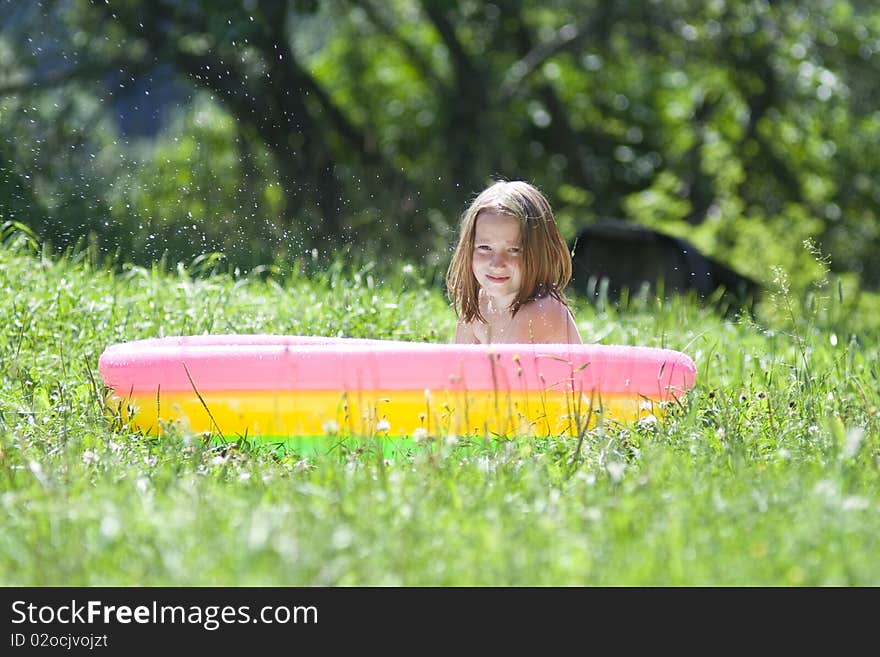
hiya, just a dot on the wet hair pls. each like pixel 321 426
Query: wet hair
pixel 546 260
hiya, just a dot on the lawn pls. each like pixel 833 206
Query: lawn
pixel 769 473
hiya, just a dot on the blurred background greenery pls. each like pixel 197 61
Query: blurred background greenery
pixel 282 131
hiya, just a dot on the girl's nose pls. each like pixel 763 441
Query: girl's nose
pixel 498 259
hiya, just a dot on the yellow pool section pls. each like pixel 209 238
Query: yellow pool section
pixel 368 413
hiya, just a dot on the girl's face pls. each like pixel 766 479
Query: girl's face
pixel 497 259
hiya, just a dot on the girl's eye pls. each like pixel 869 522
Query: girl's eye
pixel 482 247
pixel 515 250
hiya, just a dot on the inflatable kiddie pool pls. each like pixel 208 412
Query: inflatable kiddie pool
pixel 271 387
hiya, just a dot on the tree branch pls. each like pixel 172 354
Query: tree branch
pixel 60 77
pixel 414 56
pixel 570 36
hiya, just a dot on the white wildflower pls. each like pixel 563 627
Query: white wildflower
pixel 855 503
pixel 648 421
pixel 853 441
pixel 109 527
pixel 615 470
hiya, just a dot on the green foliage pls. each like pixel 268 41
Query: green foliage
pixel 187 195
pixel 767 474
pixel 744 126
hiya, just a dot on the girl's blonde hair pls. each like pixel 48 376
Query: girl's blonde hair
pixel 546 260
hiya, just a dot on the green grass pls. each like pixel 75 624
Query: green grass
pixel 768 475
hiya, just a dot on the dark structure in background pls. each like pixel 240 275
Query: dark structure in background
pixel 612 255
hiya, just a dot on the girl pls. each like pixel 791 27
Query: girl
pixel 509 269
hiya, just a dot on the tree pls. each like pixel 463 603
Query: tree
pixel 372 123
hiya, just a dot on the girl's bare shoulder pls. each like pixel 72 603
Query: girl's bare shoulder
pixel 546 320
pixel 544 306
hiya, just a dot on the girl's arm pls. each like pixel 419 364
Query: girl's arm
pixel 464 333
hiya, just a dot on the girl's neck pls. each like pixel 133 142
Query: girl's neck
pixel 499 306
